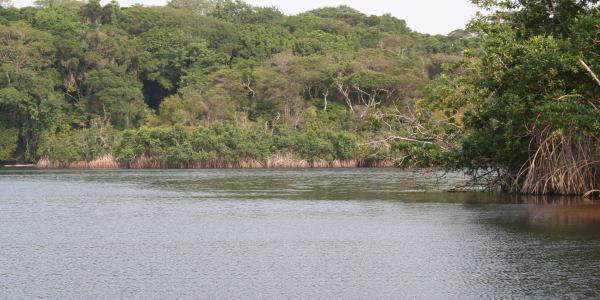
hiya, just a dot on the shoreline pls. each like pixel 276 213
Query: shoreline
pixel 20 166
pixel 108 162
pixel 186 168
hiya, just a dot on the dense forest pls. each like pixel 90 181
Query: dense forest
pixel 514 98
pixel 204 80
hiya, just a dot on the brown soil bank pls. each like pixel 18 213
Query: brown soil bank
pixel 275 162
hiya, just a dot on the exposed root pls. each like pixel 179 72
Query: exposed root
pixel 591 194
pixel 560 166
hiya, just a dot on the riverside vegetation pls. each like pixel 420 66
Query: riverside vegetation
pixel 514 99
pixel 213 84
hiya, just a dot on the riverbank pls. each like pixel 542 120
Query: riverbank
pixel 273 162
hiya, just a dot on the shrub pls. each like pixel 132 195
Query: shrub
pixel 8 143
pixel 79 145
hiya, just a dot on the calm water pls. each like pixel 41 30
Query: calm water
pixel 263 234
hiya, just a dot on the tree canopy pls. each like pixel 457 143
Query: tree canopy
pixel 69 65
pixel 528 102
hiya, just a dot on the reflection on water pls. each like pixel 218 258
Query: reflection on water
pixel 287 234
pixel 566 213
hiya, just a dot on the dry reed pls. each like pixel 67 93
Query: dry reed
pixel 45 163
pixel 104 162
pixel 285 161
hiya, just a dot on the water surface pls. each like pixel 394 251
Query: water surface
pixel 265 234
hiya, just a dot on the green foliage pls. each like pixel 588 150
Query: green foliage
pixel 414 154
pixel 80 145
pixel 167 54
pixel 261 41
pixel 326 144
pixel 237 11
pixel 115 98
pixel 177 145
pixel 8 142
pixel 230 142
pixel 28 96
pixel 199 79
pixel 528 78
pixel 171 145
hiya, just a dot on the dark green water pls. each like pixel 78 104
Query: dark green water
pixel 301 234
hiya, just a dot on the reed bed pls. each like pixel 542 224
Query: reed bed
pixel 145 162
pixel 273 162
pixel 104 162
pixel 45 163
pixel 286 161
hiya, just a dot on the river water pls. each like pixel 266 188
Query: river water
pixel 281 234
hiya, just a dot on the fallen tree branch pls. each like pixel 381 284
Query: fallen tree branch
pixel 401 138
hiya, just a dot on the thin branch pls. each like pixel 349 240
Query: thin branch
pixel 583 64
pixel 401 138
pixel 247 85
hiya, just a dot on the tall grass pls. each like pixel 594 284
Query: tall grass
pixel 104 162
pixel 273 162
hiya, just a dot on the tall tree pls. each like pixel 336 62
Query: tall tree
pixel 28 96
pixel 530 98
pixel 115 98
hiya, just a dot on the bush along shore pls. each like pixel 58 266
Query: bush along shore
pixel 220 145
pixel 217 83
